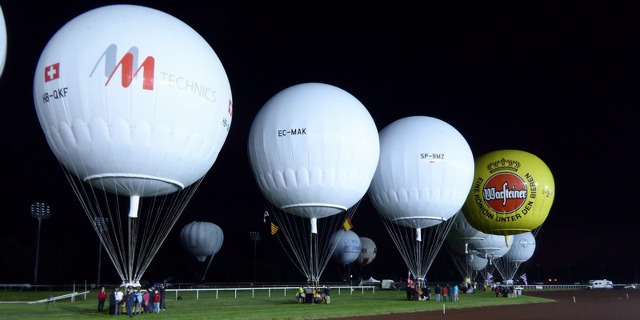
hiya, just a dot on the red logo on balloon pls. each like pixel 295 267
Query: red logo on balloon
pixel 505 192
pixel 52 72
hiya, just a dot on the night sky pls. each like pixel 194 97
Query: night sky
pixel 559 80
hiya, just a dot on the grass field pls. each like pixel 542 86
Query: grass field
pixel 14 305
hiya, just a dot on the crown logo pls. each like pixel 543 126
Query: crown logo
pixel 503 164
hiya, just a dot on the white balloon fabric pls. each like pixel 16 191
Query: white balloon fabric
pixel 478 263
pixel 313 149
pixel 424 174
pixel 3 41
pixel 368 251
pixel 132 100
pixel 493 246
pixel 202 239
pixel 347 246
pixel 522 249
pixel 462 234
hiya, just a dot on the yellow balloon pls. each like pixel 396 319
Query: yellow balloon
pixel 512 193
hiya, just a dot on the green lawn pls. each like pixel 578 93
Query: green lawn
pixel 245 306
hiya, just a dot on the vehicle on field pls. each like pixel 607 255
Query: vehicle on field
pixel 600 284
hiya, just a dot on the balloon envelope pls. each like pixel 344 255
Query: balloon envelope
pixel 313 149
pixel 522 249
pixel 347 247
pixel 368 251
pixel 3 41
pixel 424 173
pixel 512 193
pixel 462 234
pixel 132 100
pixel 202 239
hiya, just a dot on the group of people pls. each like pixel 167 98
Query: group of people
pixel 132 301
pixel 317 295
pixel 447 293
pixel 420 291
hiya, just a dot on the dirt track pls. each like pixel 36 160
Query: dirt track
pixel 588 304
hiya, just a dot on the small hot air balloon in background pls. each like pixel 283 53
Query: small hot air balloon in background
pixel 202 239
pixel 347 247
pixel 368 251
pixel 522 249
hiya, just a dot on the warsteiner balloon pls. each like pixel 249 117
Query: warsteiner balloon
pixel 512 193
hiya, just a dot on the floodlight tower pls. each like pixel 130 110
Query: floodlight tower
pixel 39 211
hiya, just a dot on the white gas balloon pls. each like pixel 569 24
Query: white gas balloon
pixel 202 239
pixel 134 102
pixel 522 249
pixel 368 251
pixel 347 247
pixel 313 149
pixel 3 41
pixel 423 177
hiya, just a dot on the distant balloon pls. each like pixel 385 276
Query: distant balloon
pixel 202 239
pixel 512 193
pixel 3 41
pixel 348 247
pixel 462 234
pixel 522 249
pixel 478 263
pixel 493 246
pixel 368 251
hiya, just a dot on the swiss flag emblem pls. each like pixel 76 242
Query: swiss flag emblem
pixel 52 72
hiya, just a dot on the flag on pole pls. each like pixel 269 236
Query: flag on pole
pixel 524 278
pixel 274 228
pixel 346 225
pixel 265 215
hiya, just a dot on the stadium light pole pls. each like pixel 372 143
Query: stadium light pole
pixel 101 225
pixel 39 211
pixel 255 236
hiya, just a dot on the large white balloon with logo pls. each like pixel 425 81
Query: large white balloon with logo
pixel 133 103
pixel 132 100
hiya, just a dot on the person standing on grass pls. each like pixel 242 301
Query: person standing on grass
pixel 112 302
pixel 146 302
pixel 437 292
pixel 163 305
pixel 445 292
pixel 156 301
pixel 456 293
pixel 130 301
pixel 102 297
pixel 119 296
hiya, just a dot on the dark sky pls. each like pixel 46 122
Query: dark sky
pixel 559 80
